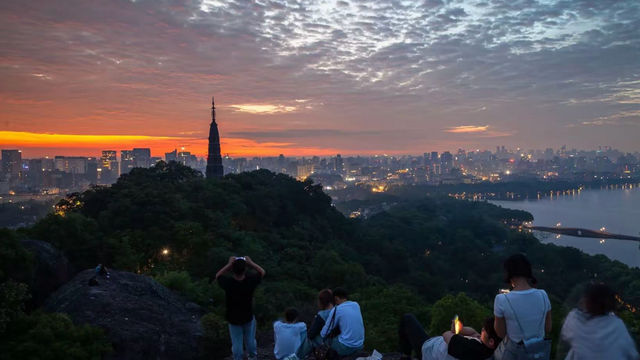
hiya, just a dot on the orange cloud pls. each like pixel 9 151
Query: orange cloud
pixel 263 108
pixel 465 129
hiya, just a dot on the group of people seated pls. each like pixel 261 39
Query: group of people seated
pixel 337 327
pixel 518 330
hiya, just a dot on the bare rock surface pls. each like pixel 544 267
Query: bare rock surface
pixel 52 270
pixel 142 318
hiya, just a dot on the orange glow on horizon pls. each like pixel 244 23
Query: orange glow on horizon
pixel 68 144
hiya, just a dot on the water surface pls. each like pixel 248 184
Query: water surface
pixel 617 210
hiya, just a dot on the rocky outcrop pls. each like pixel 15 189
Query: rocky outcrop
pixel 143 319
pixel 266 343
pixel 51 270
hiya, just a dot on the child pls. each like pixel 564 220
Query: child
pixel 288 335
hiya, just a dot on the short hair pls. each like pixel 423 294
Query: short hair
pixel 325 297
pixel 340 292
pixel 239 266
pixel 599 299
pixel 291 314
pixel 487 325
pixel 518 265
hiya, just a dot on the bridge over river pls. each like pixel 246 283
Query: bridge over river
pixel 579 232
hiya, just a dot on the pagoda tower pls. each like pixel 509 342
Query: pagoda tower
pixel 214 159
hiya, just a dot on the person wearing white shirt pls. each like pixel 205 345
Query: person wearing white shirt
pixel 522 315
pixel 288 334
pixel 346 317
pixel 593 331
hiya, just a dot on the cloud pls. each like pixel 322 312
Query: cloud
pixel 551 62
pixel 466 129
pixel 263 109
pixel 304 133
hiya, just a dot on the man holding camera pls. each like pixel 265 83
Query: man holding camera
pixel 239 289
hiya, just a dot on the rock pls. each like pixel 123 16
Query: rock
pixel 266 343
pixel 52 270
pixel 143 319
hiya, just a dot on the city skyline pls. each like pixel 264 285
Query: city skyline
pixel 307 79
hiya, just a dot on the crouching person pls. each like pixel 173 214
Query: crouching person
pixel 467 345
pixel 288 335
pixel 346 319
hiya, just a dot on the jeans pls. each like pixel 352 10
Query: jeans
pixel 245 333
pixel 411 335
pixel 342 349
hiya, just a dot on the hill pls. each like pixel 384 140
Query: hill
pixel 431 256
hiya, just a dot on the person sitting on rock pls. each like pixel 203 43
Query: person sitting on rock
pixel 313 339
pixel 102 270
pixel 346 318
pixel 594 331
pixel 467 345
pixel 239 289
pixel 288 335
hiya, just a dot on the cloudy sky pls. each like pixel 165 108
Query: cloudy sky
pixel 308 77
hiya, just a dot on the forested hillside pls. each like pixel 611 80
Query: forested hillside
pixel 419 256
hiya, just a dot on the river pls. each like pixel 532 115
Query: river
pixel 617 210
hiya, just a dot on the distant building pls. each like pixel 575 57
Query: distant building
pixel 126 161
pixel 171 156
pixel 141 157
pixel 12 164
pixel 214 158
pixel 446 162
pixel 338 164
pixel 108 169
pixel 304 170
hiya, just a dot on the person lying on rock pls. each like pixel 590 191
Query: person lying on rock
pixel 239 289
pixel 467 345
pixel 288 334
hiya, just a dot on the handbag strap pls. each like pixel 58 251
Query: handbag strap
pixel 524 335
pixel 332 323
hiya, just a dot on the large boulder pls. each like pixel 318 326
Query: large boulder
pixel 51 270
pixel 143 319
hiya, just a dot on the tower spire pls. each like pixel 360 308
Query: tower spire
pixel 214 159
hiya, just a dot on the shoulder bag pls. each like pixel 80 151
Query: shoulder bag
pixel 529 349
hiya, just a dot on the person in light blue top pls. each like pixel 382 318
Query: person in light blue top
pixel 347 318
pixel 288 334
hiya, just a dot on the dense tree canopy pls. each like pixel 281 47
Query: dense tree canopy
pixel 170 223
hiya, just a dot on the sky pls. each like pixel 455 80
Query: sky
pixel 307 77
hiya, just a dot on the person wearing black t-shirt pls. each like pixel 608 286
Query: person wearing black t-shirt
pixel 239 290
pixel 467 345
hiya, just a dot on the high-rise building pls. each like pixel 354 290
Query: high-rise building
pixel 446 162
pixel 214 159
pixel 171 156
pixel 126 161
pixel 11 163
pixel 141 157
pixel 108 171
pixel 338 164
